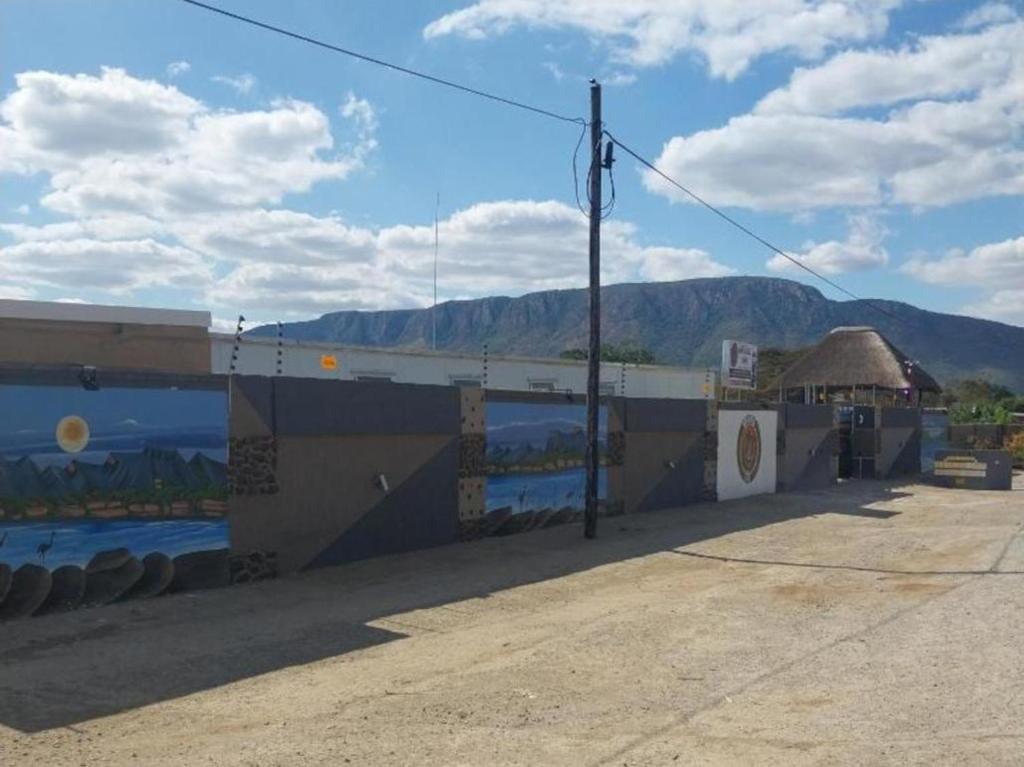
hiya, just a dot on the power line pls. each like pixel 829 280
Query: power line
pixel 387 64
pixel 607 208
pixel 747 231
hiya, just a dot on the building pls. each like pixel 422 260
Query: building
pixel 856 365
pixel 176 341
pixel 305 359
pixel 54 333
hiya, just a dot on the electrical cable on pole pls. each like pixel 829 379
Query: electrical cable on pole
pixel 386 64
pixel 697 198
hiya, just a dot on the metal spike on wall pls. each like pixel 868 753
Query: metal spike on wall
pixel 238 342
pixel 280 346
pixel 622 380
pixel 484 382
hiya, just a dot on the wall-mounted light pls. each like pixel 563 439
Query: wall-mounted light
pixel 382 482
pixel 671 464
pixel 87 377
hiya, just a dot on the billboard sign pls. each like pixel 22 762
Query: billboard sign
pixel 739 365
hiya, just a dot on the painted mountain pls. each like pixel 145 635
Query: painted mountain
pixel 538 436
pixel 684 323
pixel 71 452
pixel 143 472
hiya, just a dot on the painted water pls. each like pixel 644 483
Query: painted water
pixel 532 491
pixel 76 541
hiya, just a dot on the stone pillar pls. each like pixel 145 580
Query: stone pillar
pixel 710 490
pixel 472 461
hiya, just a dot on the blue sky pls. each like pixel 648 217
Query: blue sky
pixel 153 153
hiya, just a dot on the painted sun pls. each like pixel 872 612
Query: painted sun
pixel 72 434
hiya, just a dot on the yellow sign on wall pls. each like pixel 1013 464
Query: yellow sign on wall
pixel 328 362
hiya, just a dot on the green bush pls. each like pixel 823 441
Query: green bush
pixel 980 412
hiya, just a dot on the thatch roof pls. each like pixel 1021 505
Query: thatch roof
pixel 858 356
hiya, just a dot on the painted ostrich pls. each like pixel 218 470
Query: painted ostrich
pixel 42 548
pixel 522 498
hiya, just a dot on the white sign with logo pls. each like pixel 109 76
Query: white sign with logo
pixel 739 365
pixel 746 452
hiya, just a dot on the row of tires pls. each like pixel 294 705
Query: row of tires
pixel 110 576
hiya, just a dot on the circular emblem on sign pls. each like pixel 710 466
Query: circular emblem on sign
pixel 748 448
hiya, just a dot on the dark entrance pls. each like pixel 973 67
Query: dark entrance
pixel 857 441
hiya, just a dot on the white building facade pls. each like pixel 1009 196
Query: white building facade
pixel 306 359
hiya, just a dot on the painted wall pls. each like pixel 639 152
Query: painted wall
pixel 307 458
pixel 807 447
pixel 663 463
pixel 747 461
pixel 934 437
pixel 122 483
pixel 899 442
pixel 534 461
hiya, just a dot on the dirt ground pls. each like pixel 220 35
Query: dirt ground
pixel 869 624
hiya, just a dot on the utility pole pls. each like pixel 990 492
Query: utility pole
pixel 594 353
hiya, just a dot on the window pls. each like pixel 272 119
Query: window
pixel 606 389
pixel 542 385
pixel 465 381
pixel 377 377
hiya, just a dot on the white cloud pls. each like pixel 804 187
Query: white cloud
pixel 861 250
pixel 291 264
pixel 116 145
pixel 276 236
pixel 100 228
pixel 15 292
pixel 513 246
pixel 988 13
pixel 729 35
pixel 23 210
pixel 1002 306
pixel 997 267
pixel 506 247
pixel 192 204
pixel 994 265
pixel 802 148
pixel 54 121
pixel 242 84
pixel 933 67
pixel 177 68
pixel 115 267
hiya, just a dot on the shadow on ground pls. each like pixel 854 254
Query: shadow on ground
pixel 61 670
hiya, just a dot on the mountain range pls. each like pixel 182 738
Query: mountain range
pixel 137 471
pixel 683 323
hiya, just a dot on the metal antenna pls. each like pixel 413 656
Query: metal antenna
pixel 433 309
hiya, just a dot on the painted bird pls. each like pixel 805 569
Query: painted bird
pixel 42 548
pixel 3 538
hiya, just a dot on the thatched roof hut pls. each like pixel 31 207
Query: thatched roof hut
pixel 859 357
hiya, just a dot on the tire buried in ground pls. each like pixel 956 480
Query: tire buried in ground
pixel 5 580
pixel 201 570
pixel 111 559
pixel 158 572
pixel 104 587
pixel 66 590
pixel 30 586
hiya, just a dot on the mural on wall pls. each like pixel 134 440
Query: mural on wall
pixel 534 461
pixel 934 437
pixel 112 480
pixel 747 460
